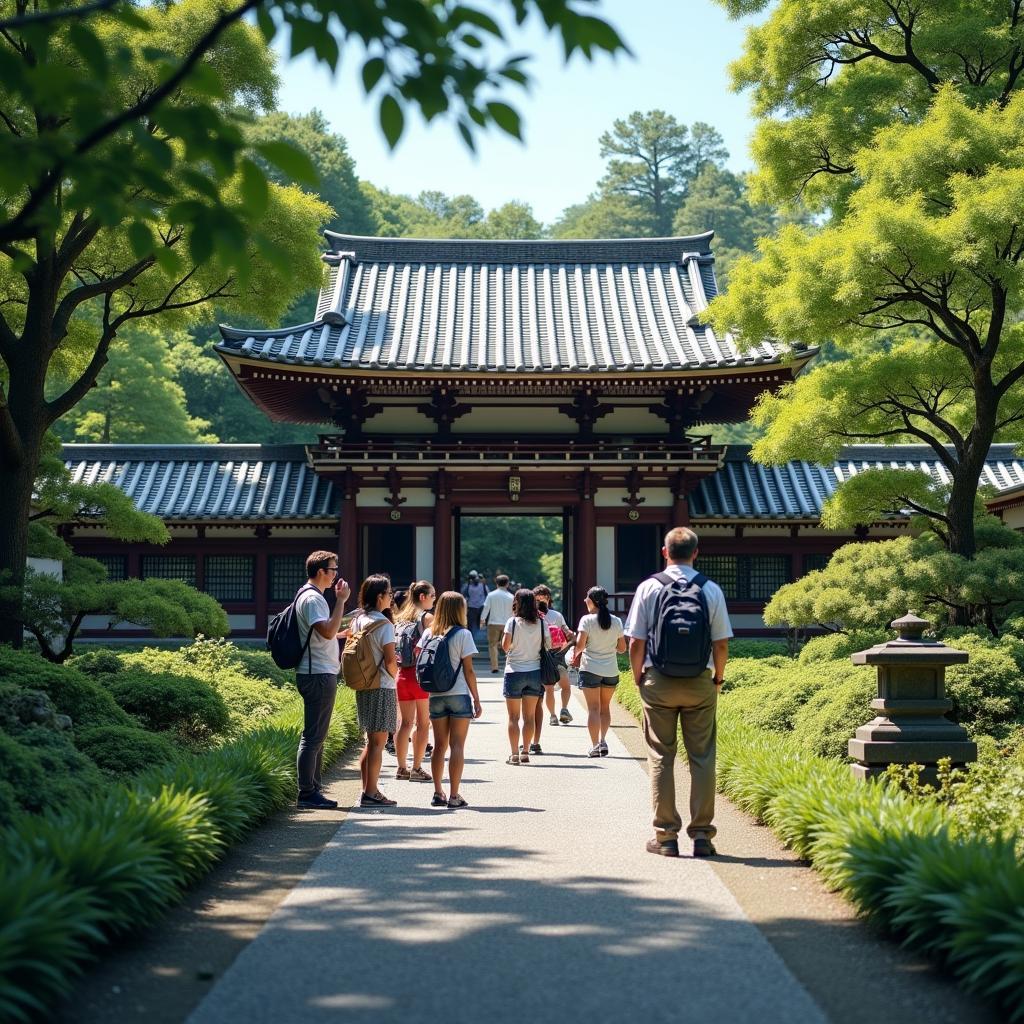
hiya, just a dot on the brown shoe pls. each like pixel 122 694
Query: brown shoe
pixel 664 848
pixel 703 847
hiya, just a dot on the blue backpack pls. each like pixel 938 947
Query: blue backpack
pixel 434 665
pixel 286 646
pixel 680 638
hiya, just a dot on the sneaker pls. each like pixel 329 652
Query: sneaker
pixel 553 720
pixel 535 748
pixel 316 801
pixel 565 717
pixel 603 747
pixel 439 800
pixel 376 801
pixel 666 848
pixel 703 847
pixel 594 751
pixel 390 747
pixel 419 775
pixel 429 750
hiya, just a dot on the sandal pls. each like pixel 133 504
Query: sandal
pixel 512 759
pixel 402 773
pixel 419 775
pixel 378 800
pixel 457 801
pixel 524 758
pixel 439 800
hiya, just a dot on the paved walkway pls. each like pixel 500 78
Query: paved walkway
pixel 536 904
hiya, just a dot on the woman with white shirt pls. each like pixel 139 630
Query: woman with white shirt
pixel 599 639
pixel 452 711
pixel 524 634
pixel 377 710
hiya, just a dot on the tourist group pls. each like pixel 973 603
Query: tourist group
pixel 409 658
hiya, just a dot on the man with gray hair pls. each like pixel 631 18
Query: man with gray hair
pixel 678 629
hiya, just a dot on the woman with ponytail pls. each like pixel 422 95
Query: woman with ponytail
pixel 599 638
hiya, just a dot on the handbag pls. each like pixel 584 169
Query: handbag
pixel 548 665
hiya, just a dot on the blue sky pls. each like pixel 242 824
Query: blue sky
pixel 681 51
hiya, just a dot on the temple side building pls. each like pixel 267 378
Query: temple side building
pixel 463 378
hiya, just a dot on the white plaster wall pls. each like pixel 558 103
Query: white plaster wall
pixel 1014 518
pixel 47 567
pixel 242 621
pixel 374 497
pixel 747 621
pixel 611 497
pixel 605 558
pixel 424 552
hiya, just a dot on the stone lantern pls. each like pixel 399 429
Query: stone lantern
pixel 911 727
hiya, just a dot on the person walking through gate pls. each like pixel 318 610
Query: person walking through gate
pixel 525 632
pixel 496 612
pixel 322 661
pixel 599 638
pixel 475 593
pixel 678 629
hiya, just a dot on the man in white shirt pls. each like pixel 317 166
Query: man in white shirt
pixel 496 612
pixel 673 701
pixel 317 674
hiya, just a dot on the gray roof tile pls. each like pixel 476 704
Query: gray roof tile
pixel 545 306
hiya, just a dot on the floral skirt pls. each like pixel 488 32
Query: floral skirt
pixel 377 710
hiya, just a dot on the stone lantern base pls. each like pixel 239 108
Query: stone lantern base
pixel 911 725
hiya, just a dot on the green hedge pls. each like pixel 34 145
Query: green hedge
pixel 955 899
pixel 72 880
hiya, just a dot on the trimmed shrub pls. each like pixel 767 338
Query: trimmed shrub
pixel 987 692
pixel 753 648
pixel 106 865
pixel 830 717
pixel 122 751
pixel 839 646
pixel 72 693
pixel 162 702
pixel 96 663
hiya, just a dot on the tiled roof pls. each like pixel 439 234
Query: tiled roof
pixel 742 489
pixel 227 482
pixel 257 482
pixel 515 306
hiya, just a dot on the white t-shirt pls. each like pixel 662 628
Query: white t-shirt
pixel 460 645
pixel 379 638
pixel 599 654
pixel 497 608
pixel 638 624
pixel 324 655
pixel 524 653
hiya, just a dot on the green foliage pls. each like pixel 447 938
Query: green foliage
pixel 514 545
pixel 122 751
pixel 189 708
pixel 825 724
pixel 137 399
pixel 987 692
pixel 72 693
pixel 839 646
pixel 109 864
pixel 867 585
pixel 752 648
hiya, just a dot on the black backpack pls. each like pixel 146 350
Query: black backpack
pixel 680 632
pixel 434 665
pixel 286 647
pixel 406 636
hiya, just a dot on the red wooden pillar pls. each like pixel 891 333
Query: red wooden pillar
pixel 680 501
pixel 262 581
pixel 442 534
pixel 586 540
pixel 348 531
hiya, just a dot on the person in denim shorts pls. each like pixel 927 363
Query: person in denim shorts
pixel 522 689
pixel 451 712
pixel 599 638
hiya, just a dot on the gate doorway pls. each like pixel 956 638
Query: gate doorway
pixel 529 548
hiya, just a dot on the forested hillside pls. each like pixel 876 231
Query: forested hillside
pixel 661 177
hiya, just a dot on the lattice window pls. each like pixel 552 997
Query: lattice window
pixel 724 570
pixel 287 574
pixel 169 567
pixel 814 562
pixel 116 566
pixel 764 575
pixel 229 577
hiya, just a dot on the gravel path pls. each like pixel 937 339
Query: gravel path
pixel 537 904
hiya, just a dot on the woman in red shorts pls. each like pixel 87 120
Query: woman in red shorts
pixel 413 700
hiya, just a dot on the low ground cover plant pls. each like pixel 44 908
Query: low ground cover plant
pixel 74 877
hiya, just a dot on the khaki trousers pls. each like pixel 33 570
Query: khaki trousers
pixel 494 634
pixel 690 703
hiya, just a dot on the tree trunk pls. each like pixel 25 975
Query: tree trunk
pixel 15 503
